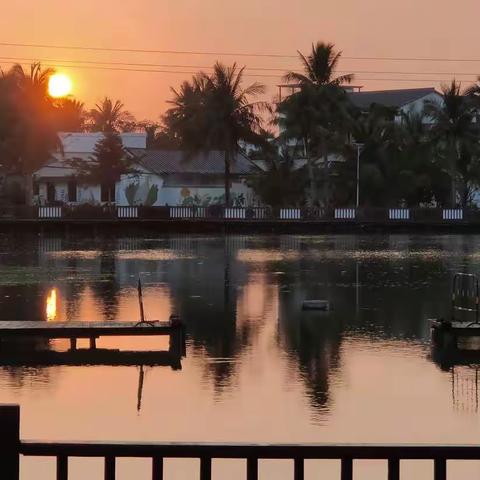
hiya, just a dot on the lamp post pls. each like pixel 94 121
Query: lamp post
pixel 359 147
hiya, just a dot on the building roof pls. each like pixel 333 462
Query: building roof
pixel 177 161
pixel 79 142
pixel 390 98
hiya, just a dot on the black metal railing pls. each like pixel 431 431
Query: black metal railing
pixel 182 213
pixel 12 448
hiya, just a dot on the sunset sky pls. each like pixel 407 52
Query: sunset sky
pixel 372 28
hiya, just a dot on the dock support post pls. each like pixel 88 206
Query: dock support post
pixel 10 442
pixel 73 344
pixel 93 343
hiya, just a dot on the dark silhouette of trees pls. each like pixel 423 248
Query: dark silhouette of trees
pixel 214 112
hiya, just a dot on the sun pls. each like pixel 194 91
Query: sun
pixel 59 85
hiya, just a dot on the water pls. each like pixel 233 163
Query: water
pixel 258 369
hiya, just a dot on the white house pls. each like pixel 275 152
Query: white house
pixel 55 182
pixel 182 179
pixel 161 177
pixel 403 101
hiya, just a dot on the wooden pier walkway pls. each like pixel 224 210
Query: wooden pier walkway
pixel 73 331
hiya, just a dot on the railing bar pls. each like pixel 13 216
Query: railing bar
pixel 393 469
pixel 62 467
pixel 157 468
pixel 440 469
pixel 347 469
pixel 252 468
pixel 298 469
pixel 205 468
pixel 109 468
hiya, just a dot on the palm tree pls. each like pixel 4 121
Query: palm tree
pixel 318 112
pixel 35 135
pixel 454 132
pixel 319 68
pixel 70 115
pixel 110 116
pixel 214 112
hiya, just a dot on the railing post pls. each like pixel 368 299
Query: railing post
pixel 10 442
pixel 110 468
pixel 440 469
pixel 62 467
pixel 347 469
pixel 205 468
pixel 252 468
pixel 157 468
pixel 393 469
pixel 298 469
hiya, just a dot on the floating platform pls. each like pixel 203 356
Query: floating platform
pixel 446 333
pixel 461 329
pixel 322 305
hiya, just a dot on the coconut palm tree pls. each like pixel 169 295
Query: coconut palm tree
pixel 70 115
pixel 454 131
pixel 110 116
pixel 214 112
pixel 35 135
pixel 318 112
pixel 319 68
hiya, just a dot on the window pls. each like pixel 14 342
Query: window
pixel 50 192
pixel 107 192
pixel 72 191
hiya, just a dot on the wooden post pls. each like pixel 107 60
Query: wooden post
pixel 93 343
pixel 9 442
pixel 73 344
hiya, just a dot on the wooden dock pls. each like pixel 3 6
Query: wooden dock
pixel 10 330
pixel 87 357
pixel 445 334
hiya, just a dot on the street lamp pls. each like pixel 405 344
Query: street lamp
pixel 359 147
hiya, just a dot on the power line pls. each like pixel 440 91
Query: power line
pixel 142 50
pixel 93 65
pixel 268 69
pixel 231 54
pixel 278 77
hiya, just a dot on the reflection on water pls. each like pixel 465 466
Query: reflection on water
pixel 51 308
pixel 258 368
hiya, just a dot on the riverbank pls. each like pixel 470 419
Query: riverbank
pixel 222 226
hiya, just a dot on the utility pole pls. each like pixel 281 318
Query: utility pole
pixel 359 151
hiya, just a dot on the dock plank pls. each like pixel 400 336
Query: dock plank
pixel 84 329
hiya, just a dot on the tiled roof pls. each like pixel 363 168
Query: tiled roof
pixel 76 142
pixel 177 161
pixel 390 98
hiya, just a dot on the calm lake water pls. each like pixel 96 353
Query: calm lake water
pixel 258 369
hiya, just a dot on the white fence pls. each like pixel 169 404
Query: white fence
pixel 399 214
pixel 127 212
pixel 181 212
pixel 290 214
pixel 345 213
pixel 453 214
pixel 50 212
pixel 235 213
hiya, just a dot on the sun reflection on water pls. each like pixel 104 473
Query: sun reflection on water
pixel 51 309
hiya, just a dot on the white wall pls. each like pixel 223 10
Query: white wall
pixel 177 195
pixel 142 183
pixel 167 195
pixel 89 194
pixel 418 106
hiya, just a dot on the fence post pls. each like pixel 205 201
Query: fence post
pixel 10 442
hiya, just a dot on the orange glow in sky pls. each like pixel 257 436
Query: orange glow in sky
pixel 372 30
